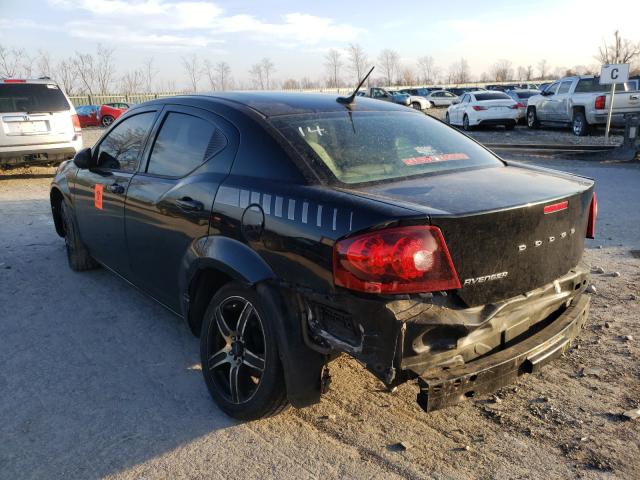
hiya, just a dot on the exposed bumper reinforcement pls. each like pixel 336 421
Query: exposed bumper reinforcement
pixel 502 368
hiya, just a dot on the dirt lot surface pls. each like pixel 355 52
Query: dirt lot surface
pixel 97 380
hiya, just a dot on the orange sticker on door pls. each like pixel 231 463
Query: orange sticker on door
pixel 97 195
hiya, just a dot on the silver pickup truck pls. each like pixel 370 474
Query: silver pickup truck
pixel 582 102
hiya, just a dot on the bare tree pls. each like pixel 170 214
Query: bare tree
pixel 223 75
pixel 388 60
pixel 502 71
pixel 529 72
pixel 10 65
pixel 44 64
pixel 257 76
pixel 148 72
pixel 408 76
pixel 104 68
pixel 357 61
pixel 132 81
pixel 27 62
pixel 306 82
pixel 193 70
pixel 333 62
pixel 290 84
pixel 267 69
pixel 622 50
pixel 85 71
pixel 427 69
pixel 66 74
pixel 543 69
pixel 459 72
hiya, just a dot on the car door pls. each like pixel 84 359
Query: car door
pixel 169 201
pixel 544 110
pixel 100 191
pixel 561 102
pixel 458 110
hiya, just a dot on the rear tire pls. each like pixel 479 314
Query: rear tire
pixel 107 120
pixel 77 254
pixel 465 124
pixel 579 125
pixel 416 106
pixel 239 355
pixel 447 119
pixel 532 119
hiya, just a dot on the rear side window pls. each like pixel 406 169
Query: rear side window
pixel 491 96
pixel 183 143
pixel 120 149
pixel 587 85
pixel 32 98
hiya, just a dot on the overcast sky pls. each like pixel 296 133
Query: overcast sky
pixel 295 35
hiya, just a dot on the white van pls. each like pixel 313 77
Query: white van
pixel 38 124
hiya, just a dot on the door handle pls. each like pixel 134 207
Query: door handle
pixel 189 204
pixel 115 188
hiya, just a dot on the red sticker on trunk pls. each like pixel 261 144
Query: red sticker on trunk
pixel 435 158
pixel 97 195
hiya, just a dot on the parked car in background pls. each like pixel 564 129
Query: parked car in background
pixel 287 229
pixel 385 95
pixel 419 92
pixel 441 98
pixel 415 101
pixel 459 91
pixel 88 115
pixel 483 108
pixel 38 123
pixel 109 112
pixel 522 97
pixel 581 102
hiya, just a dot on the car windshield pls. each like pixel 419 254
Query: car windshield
pixel 375 146
pixel 31 97
pixel 491 96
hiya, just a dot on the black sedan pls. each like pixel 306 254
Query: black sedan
pixel 288 228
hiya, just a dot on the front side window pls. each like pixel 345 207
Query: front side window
pixel 183 143
pixel 564 87
pixel 378 146
pixel 121 148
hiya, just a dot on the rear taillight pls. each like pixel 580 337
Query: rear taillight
pixel 76 123
pixel 593 215
pixel 477 108
pixel 519 105
pixel 396 260
pixel 600 102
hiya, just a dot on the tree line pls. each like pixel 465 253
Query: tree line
pixel 97 73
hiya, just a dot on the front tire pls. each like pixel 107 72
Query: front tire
pixel 239 355
pixel 579 125
pixel 447 119
pixel 77 254
pixel 416 106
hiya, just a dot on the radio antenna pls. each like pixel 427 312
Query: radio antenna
pixel 352 98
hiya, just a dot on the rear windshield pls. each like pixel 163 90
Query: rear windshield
pixel 491 96
pixel 527 94
pixel 31 97
pixel 593 85
pixel 376 146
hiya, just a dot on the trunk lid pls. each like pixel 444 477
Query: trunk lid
pixel 493 220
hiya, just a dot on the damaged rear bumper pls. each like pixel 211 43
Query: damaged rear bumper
pixel 488 373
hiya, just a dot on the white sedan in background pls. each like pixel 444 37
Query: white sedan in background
pixel 484 108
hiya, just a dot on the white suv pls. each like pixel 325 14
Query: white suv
pixel 38 123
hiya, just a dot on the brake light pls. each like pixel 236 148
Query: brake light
pixel 593 215
pixel 556 207
pixel 396 260
pixel 14 80
pixel 76 123
pixel 477 108
pixel 518 105
pixel 600 102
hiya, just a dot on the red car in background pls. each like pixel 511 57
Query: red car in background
pixel 88 115
pixel 108 112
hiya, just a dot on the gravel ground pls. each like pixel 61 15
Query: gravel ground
pixel 97 380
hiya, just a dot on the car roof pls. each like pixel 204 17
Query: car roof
pixel 270 104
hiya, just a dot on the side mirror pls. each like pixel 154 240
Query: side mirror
pixel 83 159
